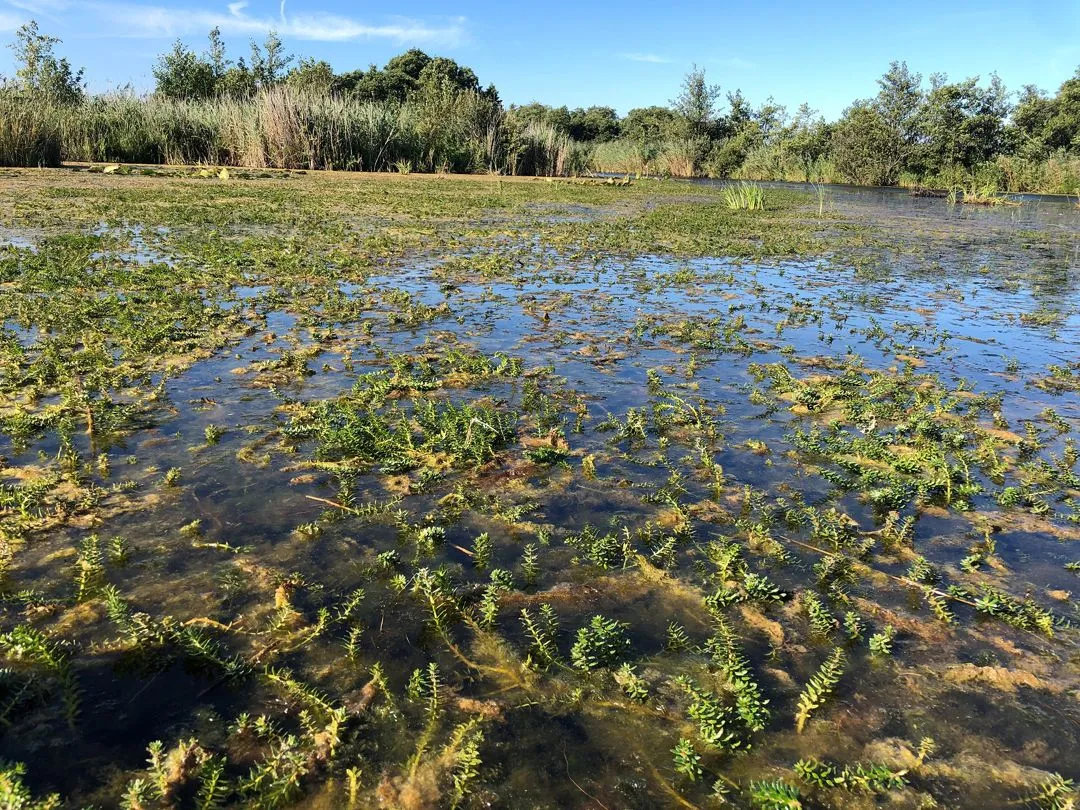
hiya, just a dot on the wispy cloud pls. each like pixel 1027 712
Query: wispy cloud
pixel 9 21
pixel 45 7
pixel 736 63
pixel 154 21
pixel 646 57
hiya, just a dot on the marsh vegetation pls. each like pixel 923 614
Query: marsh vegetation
pixel 431 114
pixel 325 490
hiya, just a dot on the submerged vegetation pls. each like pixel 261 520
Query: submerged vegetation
pixel 419 491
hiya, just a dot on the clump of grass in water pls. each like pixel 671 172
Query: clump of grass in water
pixel 744 197
pixel 986 194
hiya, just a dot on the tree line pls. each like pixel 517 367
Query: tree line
pixel 912 130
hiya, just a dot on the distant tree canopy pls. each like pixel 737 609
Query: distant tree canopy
pixel 582 124
pixel 407 73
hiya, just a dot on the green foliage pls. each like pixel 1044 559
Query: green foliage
pixel 39 74
pixel 865 778
pixel 14 795
pixel 1056 793
pixel 543 632
pixel 775 795
pixel 820 687
pixel 687 760
pixel 601 643
pixel 744 197
pixel 632 684
pixel 881 643
pixel 25 646
pixel 822 622
pixel 719 724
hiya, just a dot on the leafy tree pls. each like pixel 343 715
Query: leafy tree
pixel 215 54
pixel 269 63
pixel 411 63
pixel 770 119
pixel 593 124
pixel 407 73
pixel 237 81
pixel 961 123
pixel 312 75
pixel 807 139
pixel 876 140
pixel 649 124
pixel 536 112
pixel 740 113
pixel 39 71
pixel 1045 124
pixel 696 104
pixel 377 85
pixel 863 146
pixel 182 73
pixel 447 72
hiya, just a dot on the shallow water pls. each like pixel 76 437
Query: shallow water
pixel 940 297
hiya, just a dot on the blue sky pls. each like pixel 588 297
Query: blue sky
pixel 626 54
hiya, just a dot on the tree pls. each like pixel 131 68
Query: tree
pixel 806 139
pixel 1045 124
pixel 408 73
pixel 863 146
pixel 269 63
pixel 237 82
pixel 696 104
pixel 770 119
pixel 39 71
pixel 311 75
pixel 876 140
pixel 739 114
pixel 961 123
pixel 215 54
pixel 593 124
pixel 649 124
pixel 182 73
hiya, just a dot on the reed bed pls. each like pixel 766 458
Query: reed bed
pixel 286 129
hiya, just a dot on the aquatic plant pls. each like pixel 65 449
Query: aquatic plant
pixel 601 643
pixel 744 197
pixel 820 687
pixel 775 795
pixel 687 760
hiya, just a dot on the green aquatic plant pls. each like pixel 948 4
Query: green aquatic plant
pixel 866 778
pixel 633 685
pixel 820 687
pixel 543 632
pixel 718 723
pixel 24 646
pixel 822 622
pixel 854 626
pixel 1055 793
pixel 16 795
pixel 601 643
pixel 881 644
pixel 775 795
pixel 744 197
pixel 687 760
pixel 465 742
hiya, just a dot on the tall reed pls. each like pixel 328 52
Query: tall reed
pixel 287 129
